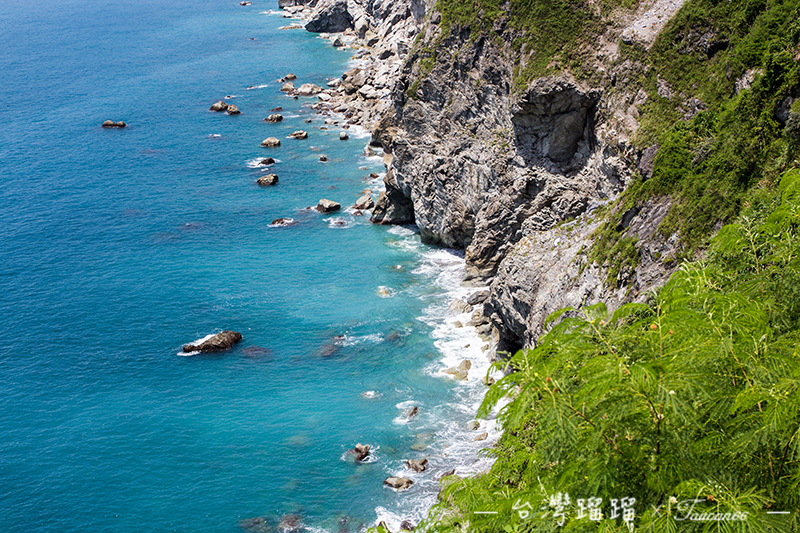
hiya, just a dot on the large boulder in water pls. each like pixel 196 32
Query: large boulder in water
pixel 217 343
pixel 365 202
pixel 417 465
pixel 328 206
pixel 233 110
pixel 112 124
pixel 269 179
pixel 309 89
pixel 219 106
pixel 275 117
pixel 271 142
pixel 331 19
pixel 361 451
pixel 299 134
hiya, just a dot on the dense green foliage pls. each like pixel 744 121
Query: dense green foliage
pixel 694 396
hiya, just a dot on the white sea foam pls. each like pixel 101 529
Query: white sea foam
pixel 386 292
pixel 370 394
pixel 196 342
pixel 257 86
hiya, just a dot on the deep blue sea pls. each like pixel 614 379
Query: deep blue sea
pixel 119 246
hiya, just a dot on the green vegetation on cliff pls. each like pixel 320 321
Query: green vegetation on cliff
pixel 689 404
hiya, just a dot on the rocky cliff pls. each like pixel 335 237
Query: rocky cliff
pixel 512 176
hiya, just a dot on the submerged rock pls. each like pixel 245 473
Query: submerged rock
pixel 291 523
pixel 399 483
pixel 219 342
pixel 256 525
pixel 269 179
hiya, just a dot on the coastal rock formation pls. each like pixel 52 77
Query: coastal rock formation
pixel 267 161
pixel 233 110
pixel 275 117
pixel 283 221
pixel 299 134
pixel 343 136
pixel 269 179
pixel 219 106
pixel 361 451
pixel 271 142
pixel 112 124
pixel 327 206
pixel 331 18
pixel 309 89
pixel 399 483
pixel 217 343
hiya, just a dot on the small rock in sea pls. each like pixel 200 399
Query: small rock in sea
pixel 365 202
pixel 343 136
pixel 323 157
pixel 328 206
pixel 299 134
pixel 219 342
pixel 373 175
pixel 417 465
pixel 275 109
pixel 112 124
pixel 275 117
pixel 245 3
pixel 307 121
pixel 399 483
pixel 290 76
pixel 233 110
pixel 412 412
pixel 482 436
pixel 361 451
pixel 337 42
pixel 269 179
pixel 291 523
pixel 358 213
pixel 267 161
pixel 370 394
pixel 461 371
pixel 287 87
pixel 255 525
pixel 283 221
pixel 271 142
pixel 478 298
pixel 474 425
pixel 219 106
pixel 323 128
pixel 405 525
pixel 448 473
pixel 368 151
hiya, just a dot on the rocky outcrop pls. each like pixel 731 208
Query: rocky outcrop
pixel 274 118
pixel 417 465
pixel 299 134
pixel 217 343
pixel 331 18
pixel 233 110
pixel 361 451
pixel 112 124
pixel 219 106
pixel 271 142
pixel 398 483
pixel 269 179
pixel 364 202
pixel 328 206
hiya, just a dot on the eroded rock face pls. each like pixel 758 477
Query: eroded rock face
pixel 331 18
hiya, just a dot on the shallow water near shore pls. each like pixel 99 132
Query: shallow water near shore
pixel 119 246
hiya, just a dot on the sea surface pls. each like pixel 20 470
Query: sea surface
pixel 119 246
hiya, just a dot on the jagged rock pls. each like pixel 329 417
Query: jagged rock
pixel 219 106
pixel 219 342
pixel 353 80
pixel 233 110
pixel 335 83
pixel 363 203
pixel 271 142
pixel 448 473
pixel 269 179
pixel 309 89
pixel 331 18
pixel 275 117
pixel 337 42
pixel 482 436
pixel 327 206
pixel 299 134
pixel 368 151
pixel 417 465
pixel 399 483
pixel 647 161
pixel 361 451
pixel 267 161
pixel 343 136
pixel 458 306
pixel 405 525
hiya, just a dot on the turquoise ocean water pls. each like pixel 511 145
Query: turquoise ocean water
pixel 119 246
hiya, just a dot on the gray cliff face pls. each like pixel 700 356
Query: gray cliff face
pixel 496 172
pixel 481 166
